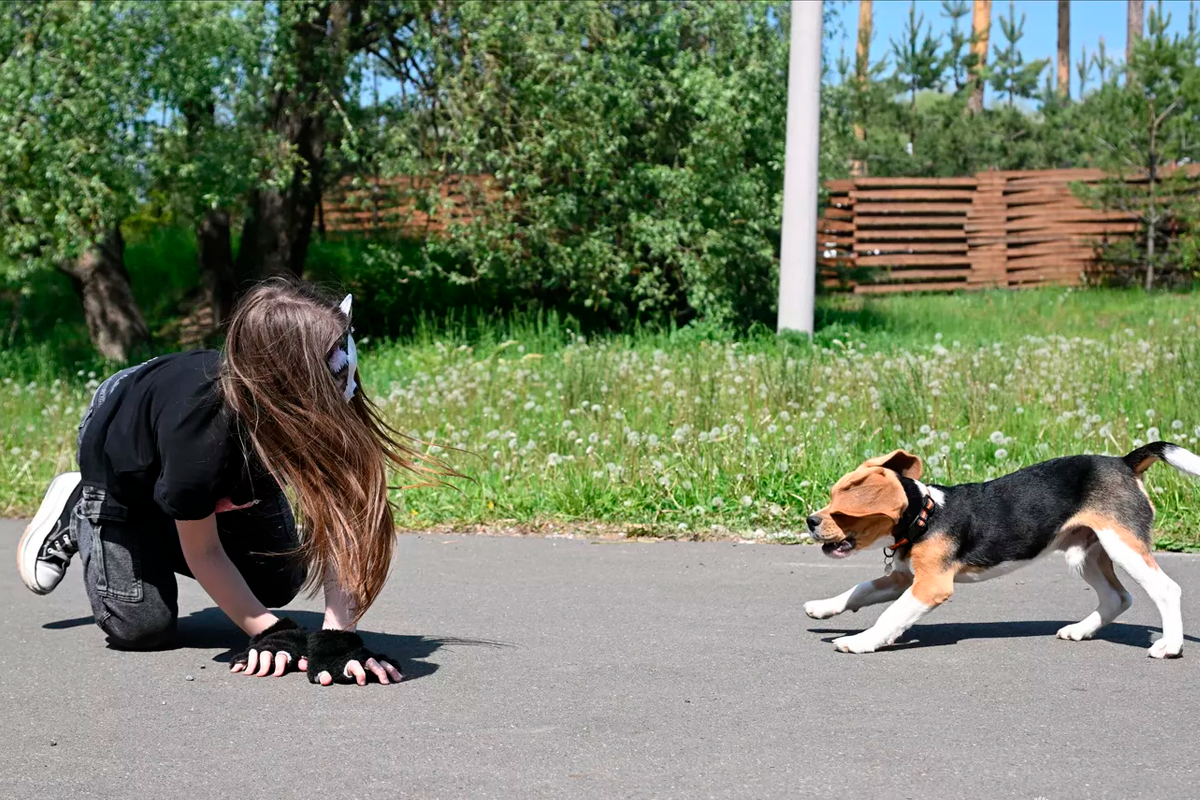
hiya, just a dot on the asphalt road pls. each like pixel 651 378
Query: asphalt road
pixel 569 669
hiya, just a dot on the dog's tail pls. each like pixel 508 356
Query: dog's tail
pixel 1178 457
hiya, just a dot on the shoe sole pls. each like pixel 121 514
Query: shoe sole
pixel 42 525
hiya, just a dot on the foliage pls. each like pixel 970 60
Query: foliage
pixel 639 146
pixel 1148 134
pixel 73 101
pixel 1010 75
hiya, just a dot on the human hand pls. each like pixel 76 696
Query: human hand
pixel 271 651
pixel 341 657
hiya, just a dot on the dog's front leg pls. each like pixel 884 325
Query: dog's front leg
pixel 917 601
pixel 867 593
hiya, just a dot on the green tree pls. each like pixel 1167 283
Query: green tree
pixel 1010 74
pixel 73 103
pixel 918 65
pixel 1146 130
pixel 638 146
pixel 958 60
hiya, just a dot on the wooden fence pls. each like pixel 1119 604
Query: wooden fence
pixel 1005 229
pixel 412 206
pixel 993 229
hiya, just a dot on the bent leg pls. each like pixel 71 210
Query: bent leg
pixel 262 542
pixel 129 581
pixel 933 584
pixel 867 593
pixel 1113 599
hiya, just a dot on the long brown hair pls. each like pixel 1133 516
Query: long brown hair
pixel 333 454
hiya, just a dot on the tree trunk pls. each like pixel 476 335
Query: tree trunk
pixel 1152 190
pixel 1135 24
pixel 114 321
pixel 981 25
pixel 214 259
pixel 1064 49
pixel 278 226
pixel 862 73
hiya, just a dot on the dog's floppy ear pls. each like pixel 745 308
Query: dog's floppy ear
pixel 900 461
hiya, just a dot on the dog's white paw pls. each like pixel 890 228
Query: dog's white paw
pixel 1164 649
pixel 1077 631
pixel 858 643
pixel 822 609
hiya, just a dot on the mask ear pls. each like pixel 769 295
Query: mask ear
pixel 346 303
pixel 899 461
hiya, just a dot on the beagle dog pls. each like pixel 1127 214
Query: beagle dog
pixel 1094 509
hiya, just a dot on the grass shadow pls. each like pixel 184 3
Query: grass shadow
pixel 940 634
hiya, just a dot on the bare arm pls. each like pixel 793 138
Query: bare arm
pixel 217 575
pixel 339 611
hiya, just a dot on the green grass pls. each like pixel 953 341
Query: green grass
pixel 690 431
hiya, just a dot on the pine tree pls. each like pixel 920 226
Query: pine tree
pixel 958 60
pixel 1010 74
pixel 1147 132
pixel 1105 65
pixel 918 65
pixel 1083 68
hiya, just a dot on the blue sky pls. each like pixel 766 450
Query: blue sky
pixel 1090 19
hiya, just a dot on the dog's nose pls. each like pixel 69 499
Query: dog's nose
pixel 814 522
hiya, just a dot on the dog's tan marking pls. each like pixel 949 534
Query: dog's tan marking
pixel 933 570
pixel 1098 520
pixel 1145 464
pixel 1142 487
pixel 1105 564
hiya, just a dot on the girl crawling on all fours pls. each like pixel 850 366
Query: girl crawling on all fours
pixel 181 462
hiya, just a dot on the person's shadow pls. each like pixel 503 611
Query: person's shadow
pixel 938 634
pixel 209 629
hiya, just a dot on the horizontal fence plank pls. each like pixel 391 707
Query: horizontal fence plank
pixel 931 260
pixel 886 183
pixel 912 208
pixel 920 274
pixel 931 194
pixel 906 221
pixel 877 248
pixel 908 235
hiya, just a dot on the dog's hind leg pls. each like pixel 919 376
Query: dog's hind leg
pixel 1097 570
pixel 1132 553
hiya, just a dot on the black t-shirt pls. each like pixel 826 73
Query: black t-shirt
pixel 163 439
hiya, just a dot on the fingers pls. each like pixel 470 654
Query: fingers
pixel 303 665
pixel 251 662
pixel 393 673
pixel 325 678
pixel 264 664
pixel 378 671
pixel 281 662
pixel 238 667
pixel 355 669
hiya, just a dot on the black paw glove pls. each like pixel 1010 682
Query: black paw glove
pixel 343 656
pixel 262 654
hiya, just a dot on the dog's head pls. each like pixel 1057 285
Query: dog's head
pixel 865 504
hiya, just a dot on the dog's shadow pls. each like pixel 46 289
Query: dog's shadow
pixel 210 629
pixel 940 634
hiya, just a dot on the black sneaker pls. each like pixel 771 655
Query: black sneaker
pixel 46 546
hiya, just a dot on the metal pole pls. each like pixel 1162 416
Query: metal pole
pixel 798 250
